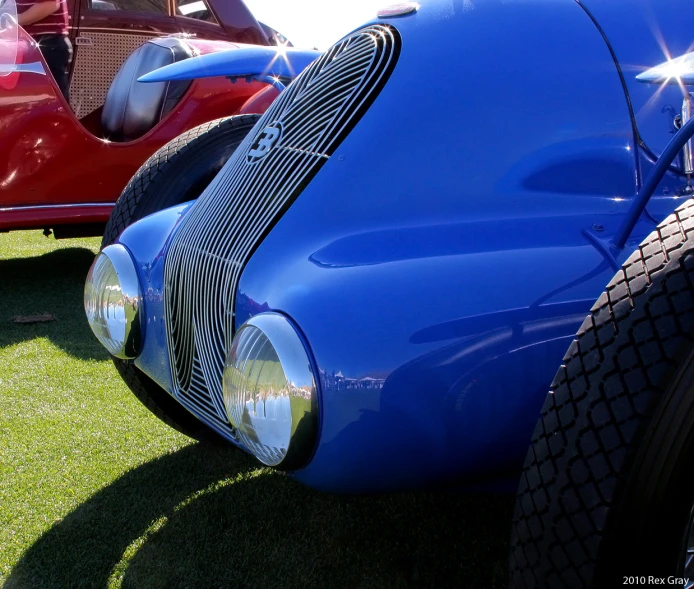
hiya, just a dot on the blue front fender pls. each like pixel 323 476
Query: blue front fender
pixel 441 260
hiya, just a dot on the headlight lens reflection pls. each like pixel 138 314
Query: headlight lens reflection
pixel 112 302
pixel 270 392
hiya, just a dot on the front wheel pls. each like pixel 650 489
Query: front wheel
pixel 606 495
pixel 180 171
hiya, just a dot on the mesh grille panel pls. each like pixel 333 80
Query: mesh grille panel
pixel 96 65
pixel 269 169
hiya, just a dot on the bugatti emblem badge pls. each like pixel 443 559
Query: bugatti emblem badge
pixel 264 142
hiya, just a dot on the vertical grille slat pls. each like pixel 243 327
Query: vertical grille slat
pixel 224 227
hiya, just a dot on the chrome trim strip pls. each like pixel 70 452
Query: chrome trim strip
pixel 230 219
pixel 141 32
pixel 688 151
pixel 56 207
pixel 35 67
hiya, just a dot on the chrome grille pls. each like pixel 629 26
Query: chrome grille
pixel 230 219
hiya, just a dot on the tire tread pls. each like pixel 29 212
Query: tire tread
pixel 599 406
pixel 156 166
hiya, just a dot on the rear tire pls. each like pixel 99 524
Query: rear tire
pixel 180 171
pixel 606 491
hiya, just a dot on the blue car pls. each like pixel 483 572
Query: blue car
pixel 375 291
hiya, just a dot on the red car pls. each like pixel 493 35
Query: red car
pixel 105 32
pixel 63 166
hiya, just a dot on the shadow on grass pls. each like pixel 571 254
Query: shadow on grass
pixel 207 517
pixel 52 283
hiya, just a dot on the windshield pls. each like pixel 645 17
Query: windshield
pixel 8 36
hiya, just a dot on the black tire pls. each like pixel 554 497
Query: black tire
pixel 606 490
pixel 177 173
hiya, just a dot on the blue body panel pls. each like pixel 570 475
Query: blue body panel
pixel 441 260
pixel 148 241
pixel 442 252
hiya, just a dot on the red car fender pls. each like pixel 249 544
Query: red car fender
pixel 54 170
pixel 260 101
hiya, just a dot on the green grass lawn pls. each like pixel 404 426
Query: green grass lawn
pixel 96 492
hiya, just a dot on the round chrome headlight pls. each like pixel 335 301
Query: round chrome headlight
pixel 270 392
pixel 112 300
